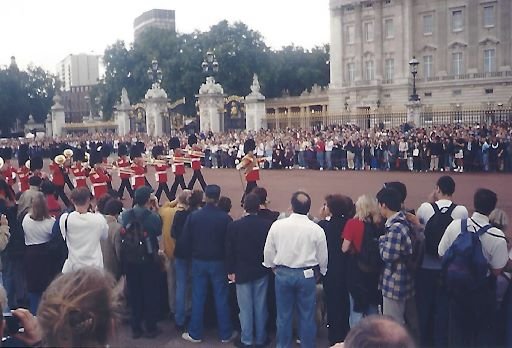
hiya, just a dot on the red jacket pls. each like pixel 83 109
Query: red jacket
pixel 23 175
pixel 80 174
pixel 139 176
pixel 178 168
pixel 161 173
pixel 99 181
pixel 124 162
pixel 57 174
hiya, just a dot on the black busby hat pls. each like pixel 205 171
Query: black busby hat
pixel 157 150
pixel 23 154
pixel 36 163
pixel 79 155
pixel 174 143
pixel 122 150
pixel 135 151
pixel 6 153
pixel 192 139
pixel 95 157
pixel 249 145
pixel 105 151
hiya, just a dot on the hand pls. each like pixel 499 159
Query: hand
pixel 324 212
pixel 232 277
pixel 413 219
pixel 32 333
pixel 3 220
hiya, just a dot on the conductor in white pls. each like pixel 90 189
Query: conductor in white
pixel 296 250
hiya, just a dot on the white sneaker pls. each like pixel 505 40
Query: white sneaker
pixel 234 335
pixel 321 168
pixel 187 337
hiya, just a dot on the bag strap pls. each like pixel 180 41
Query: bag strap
pixel 435 207
pixel 463 226
pixel 451 208
pixel 66 227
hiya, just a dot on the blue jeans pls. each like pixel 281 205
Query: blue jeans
pixel 328 159
pixel 34 299
pixel 300 159
pixel 252 300
pixel 320 159
pixel 295 291
pixel 182 274
pixel 215 273
pixel 356 317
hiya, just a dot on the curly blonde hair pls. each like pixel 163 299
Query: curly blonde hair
pixel 367 209
pixel 78 309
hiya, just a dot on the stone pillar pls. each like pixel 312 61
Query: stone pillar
pixel 336 59
pixel 48 124
pixel 414 112
pixel 58 117
pixel 123 114
pixel 255 108
pixel 156 105
pixel 211 106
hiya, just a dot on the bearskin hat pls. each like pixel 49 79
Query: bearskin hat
pixel 135 151
pixel 95 157
pixel 122 150
pixel 36 163
pixel 174 143
pixel 192 139
pixel 23 154
pixel 156 151
pixel 249 145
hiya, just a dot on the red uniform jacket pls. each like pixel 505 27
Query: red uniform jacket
pixel 252 172
pixel 80 174
pixel 57 174
pixel 124 162
pixel 195 159
pixel 99 181
pixel 161 173
pixel 23 175
pixel 138 176
pixel 178 168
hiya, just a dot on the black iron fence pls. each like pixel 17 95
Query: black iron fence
pixel 386 120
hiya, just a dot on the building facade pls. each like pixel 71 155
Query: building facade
pixel 78 73
pixel 464 48
pixel 156 18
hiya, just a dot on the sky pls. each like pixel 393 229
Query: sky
pixel 43 32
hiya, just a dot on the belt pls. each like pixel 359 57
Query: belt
pixel 298 268
pixel 79 177
pixel 99 184
pixel 139 176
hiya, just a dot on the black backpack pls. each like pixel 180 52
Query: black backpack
pixel 368 259
pixel 436 226
pixel 135 242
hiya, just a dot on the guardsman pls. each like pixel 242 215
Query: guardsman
pixel 7 170
pixel 36 167
pixel 178 166
pixel 23 171
pixel 68 153
pixel 161 167
pixel 79 169
pixel 98 176
pixel 138 168
pixel 104 150
pixel 57 174
pixel 251 166
pixel 124 164
pixel 195 155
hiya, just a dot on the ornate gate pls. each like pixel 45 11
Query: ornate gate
pixel 234 113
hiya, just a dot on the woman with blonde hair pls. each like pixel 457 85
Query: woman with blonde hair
pixel 40 266
pixel 362 273
pixel 79 309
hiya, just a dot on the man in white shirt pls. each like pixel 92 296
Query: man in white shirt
pixel 82 230
pixel 329 145
pixel 431 298
pixel 296 249
pixel 472 312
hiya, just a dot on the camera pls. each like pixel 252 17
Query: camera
pixel 12 324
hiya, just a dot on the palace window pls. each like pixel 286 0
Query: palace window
pixel 369 71
pixel 368 31
pixel 489 17
pixel 457 20
pixel 350 34
pixel 489 60
pixel 389 69
pixel 428 24
pixel 351 72
pixel 389 30
pixel 428 66
pixel 457 63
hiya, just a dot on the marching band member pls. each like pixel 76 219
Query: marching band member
pixel 138 168
pixel 23 171
pixel 79 169
pixel 251 166
pixel 124 164
pixel 161 167
pixel 36 167
pixel 7 170
pixel 195 156
pixel 105 152
pixel 57 174
pixel 178 166
pixel 98 175
pixel 68 153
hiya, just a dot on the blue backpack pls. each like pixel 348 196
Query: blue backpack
pixel 464 265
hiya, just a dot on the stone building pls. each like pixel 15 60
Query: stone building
pixel 156 18
pixel 464 48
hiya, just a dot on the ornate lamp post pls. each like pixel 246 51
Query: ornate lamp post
pixel 210 65
pixel 155 74
pixel 414 71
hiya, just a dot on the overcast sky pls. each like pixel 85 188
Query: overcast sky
pixel 43 32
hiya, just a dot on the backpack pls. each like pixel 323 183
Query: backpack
pixel 464 265
pixel 436 226
pixel 368 259
pixel 135 242
pixel 413 261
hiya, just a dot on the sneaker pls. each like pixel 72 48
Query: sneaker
pixel 187 337
pixel 234 335
pixel 239 344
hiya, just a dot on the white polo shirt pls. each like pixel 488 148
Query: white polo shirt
pixel 424 213
pixel 494 248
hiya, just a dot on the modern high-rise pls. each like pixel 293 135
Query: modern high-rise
pixel 78 73
pixel 156 18
pixel 464 48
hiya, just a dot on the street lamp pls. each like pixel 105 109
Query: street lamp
pixel 414 71
pixel 154 73
pixel 210 64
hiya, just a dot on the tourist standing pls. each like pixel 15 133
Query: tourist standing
pixel 296 249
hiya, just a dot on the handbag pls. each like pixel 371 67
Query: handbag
pixel 57 245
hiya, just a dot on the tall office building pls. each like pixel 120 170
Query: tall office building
pixel 77 74
pixel 156 18
pixel 464 48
